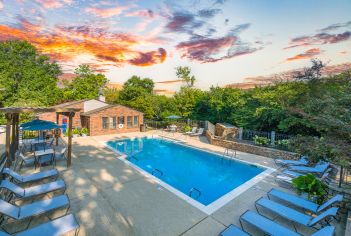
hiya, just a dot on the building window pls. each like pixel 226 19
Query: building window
pixel 129 121
pixel 121 120
pixel 113 122
pixel 136 121
pixel 104 122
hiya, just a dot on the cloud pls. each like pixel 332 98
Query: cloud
pixel 336 26
pixel 149 58
pixel 53 3
pixel 209 13
pixel 306 55
pixel 106 12
pixel 321 38
pixel 183 22
pixel 64 44
pixel 219 2
pixel 206 50
pixel 1 5
pixel 141 13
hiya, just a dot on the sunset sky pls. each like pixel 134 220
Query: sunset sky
pixel 223 41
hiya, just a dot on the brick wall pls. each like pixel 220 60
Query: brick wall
pixel 51 116
pixel 95 121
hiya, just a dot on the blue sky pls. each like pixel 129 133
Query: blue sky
pixel 223 41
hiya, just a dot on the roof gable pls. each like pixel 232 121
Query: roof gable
pixel 107 107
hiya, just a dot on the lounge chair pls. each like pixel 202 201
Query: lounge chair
pixel 302 202
pixel 59 226
pixel 28 211
pixel 272 228
pixel 232 230
pixel 26 160
pixel 193 131
pixel 319 168
pixel 198 133
pixel 50 144
pixel 287 179
pixel 303 161
pixel 294 215
pixel 61 155
pixel 15 177
pixel 19 192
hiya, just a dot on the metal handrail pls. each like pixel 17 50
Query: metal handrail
pixel 194 189
pixel 156 170
pixel 226 153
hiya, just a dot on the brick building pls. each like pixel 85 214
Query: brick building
pixel 99 117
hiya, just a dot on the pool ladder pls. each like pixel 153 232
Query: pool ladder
pixel 226 153
pixel 196 190
pixel 154 171
pixel 133 157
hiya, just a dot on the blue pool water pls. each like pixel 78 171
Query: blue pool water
pixel 185 168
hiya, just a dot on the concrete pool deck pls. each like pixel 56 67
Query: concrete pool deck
pixel 108 197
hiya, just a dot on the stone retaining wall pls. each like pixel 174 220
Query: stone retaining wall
pixel 249 148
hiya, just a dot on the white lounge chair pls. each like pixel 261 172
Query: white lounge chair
pixel 193 131
pixel 198 133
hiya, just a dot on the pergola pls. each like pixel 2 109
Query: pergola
pixel 12 117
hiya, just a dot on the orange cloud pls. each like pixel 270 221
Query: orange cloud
pixel 106 12
pixel 50 3
pixel 64 44
pixel 306 55
pixel 343 52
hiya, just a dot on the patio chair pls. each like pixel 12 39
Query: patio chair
pixel 50 144
pixel 287 179
pixel 232 230
pixel 61 155
pixel 22 179
pixel 303 161
pixel 270 227
pixel 19 192
pixel 59 226
pixel 26 160
pixel 294 215
pixel 319 168
pixel 193 131
pixel 31 210
pixel 302 202
pixel 198 133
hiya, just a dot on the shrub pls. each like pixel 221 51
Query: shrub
pixel 261 140
pixel 187 128
pixel 283 142
pixel 313 187
pixel 84 131
pixel 76 131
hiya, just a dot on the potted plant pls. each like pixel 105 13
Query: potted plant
pixel 75 133
pixel 84 132
pixel 310 185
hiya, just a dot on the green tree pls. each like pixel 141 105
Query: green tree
pixel 86 84
pixel 184 74
pixel 186 100
pixel 27 78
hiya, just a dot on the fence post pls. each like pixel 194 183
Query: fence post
pixel 241 130
pixel 272 137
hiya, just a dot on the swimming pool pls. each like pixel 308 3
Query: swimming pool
pixel 203 176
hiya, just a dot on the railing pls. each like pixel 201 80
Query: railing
pixel 153 124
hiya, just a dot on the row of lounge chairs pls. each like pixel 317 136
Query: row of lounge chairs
pixel 11 190
pixel 280 203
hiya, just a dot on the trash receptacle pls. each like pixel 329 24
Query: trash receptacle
pixel 142 128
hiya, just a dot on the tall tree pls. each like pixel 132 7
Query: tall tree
pixel 86 84
pixel 184 74
pixel 27 78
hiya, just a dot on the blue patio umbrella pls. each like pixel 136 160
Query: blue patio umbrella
pixel 39 125
pixel 173 117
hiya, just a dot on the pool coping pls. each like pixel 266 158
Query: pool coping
pixel 215 205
